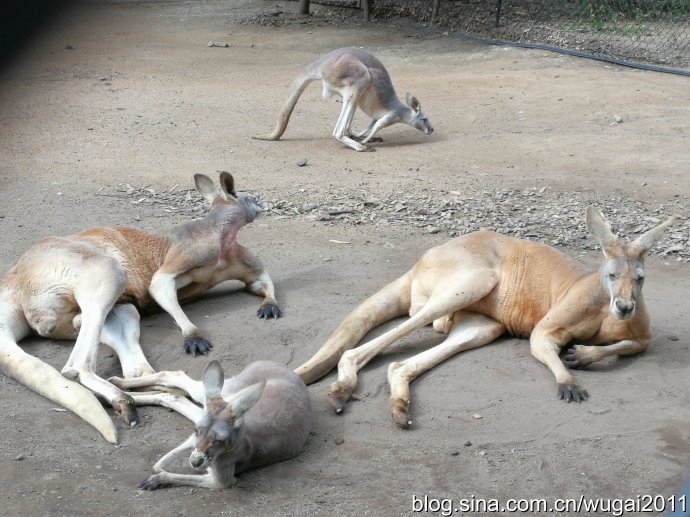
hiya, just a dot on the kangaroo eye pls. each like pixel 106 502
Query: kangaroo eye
pixel 612 276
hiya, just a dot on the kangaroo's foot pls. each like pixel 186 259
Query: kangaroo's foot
pixel 342 388
pixel 124 408
pixel 269 310
pixel 197 345
pixel 572 392
pixel 400 412
pixel 338 397
pixel 151 483
pixel 399 380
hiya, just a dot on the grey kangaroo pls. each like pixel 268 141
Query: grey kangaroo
pixel 261 416
pixel 362 81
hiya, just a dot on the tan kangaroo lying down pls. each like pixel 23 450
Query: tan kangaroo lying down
pixel 361 81
pixel 480 285
pixel 261 416
pixel 86 286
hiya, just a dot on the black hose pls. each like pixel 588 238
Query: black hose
pixel 560 50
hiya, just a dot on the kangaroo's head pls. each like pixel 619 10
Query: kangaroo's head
pixel 227 198
pixel 622 273
pixel 218 430
pixel 417 117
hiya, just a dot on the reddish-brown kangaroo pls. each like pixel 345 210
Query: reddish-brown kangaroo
pixel 88 286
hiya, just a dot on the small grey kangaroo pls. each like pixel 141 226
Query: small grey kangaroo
pixel 261 416
pixel 362 81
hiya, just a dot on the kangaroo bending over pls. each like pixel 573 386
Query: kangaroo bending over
pixel 480 285
pixel 361 81
pixel 261 416
pixel 86 286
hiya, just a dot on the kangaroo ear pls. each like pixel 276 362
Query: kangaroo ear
pixel 212 379
pixel 244 400
pixel 227 183
pixel 412 102
pixel 648 239
pixel 205 187
pixel 600 229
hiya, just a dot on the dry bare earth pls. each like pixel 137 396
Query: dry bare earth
pixel 141 100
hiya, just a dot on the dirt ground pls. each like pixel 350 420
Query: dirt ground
pixel 119 92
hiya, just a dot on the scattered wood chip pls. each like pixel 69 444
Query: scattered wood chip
pixel 335 241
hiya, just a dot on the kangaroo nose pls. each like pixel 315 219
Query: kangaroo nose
pixel 625 308
pixel 430 130
pixel 196 461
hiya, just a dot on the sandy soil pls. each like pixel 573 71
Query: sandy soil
pixel 139 98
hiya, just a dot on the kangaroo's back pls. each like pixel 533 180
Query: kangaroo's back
pixel 141 253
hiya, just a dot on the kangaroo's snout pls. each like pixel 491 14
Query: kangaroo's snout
pixel 429 130
pixel 198 459
pixel 624 309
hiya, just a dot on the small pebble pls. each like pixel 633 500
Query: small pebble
pixel 302 162
pixel 339 441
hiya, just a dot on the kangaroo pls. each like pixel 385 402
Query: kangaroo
pixel 86 287
pixel 480 285
pixel 361 81
pixel 261 416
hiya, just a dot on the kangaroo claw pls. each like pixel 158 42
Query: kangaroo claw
pixel 197 345
pixel 572 392
pixel 270 310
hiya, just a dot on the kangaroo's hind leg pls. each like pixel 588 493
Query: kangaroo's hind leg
pixel 469 331
pixel 449 296
pixel 351 94
pixel 101 281
pixel 121 333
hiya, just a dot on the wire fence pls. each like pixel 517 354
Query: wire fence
pixel 645 31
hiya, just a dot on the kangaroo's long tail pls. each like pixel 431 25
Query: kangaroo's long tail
pixel 44 379
pixel 298 86
pixel 390 302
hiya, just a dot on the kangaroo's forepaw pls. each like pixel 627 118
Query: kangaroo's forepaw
pixel 151 483
pixel 270 310
pixel 400 413
pixel 196 345
pixel 124 408
pixel 577 357
pixel 572 392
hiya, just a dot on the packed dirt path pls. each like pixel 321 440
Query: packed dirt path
pixel 118 93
